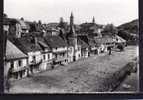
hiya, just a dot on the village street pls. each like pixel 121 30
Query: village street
pixel 94 74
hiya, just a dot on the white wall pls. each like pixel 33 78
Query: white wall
pixel 59 49
pixel 16 65
pixel 23 64
pixel 48 56
pixel 78 52
pixel 37 55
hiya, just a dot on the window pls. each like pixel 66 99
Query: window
pixel 12 64
pixel 34 58
pixel 48 56
pixel 19 63
pixel 44 57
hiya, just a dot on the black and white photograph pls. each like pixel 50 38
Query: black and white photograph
pixel 71 46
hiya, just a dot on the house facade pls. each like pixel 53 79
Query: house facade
pixel 84 48
pixel 30 46
pixel 18 27
pixel 59 49
pixel 16 62
pixel 47 56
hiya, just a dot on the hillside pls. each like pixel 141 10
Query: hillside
pixel 130 27
pixel 129 31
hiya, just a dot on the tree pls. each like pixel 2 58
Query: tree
pixel 110 29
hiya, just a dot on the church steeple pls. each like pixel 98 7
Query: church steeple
pixel 72 30
pixel 71 19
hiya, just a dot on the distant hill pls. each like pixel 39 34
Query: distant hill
pixel 130 27
pixel 129 31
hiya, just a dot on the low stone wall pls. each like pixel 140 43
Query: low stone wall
pixel 120 75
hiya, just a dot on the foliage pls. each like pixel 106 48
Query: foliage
pixel 110 29
pixel 130 27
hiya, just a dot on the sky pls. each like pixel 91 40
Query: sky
pixel 104 11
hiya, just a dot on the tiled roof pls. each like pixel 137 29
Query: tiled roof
pixel 91 42
pixel 12 52
pixel 26 44
pixel 43 43
pixel 120 39
pixel 105 39
pixel 82 43
pixel 97 41
pixel 55 41
pixel 50 26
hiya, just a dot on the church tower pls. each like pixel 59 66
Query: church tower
pixel 72 30
pixel 72 37
pixel 71 19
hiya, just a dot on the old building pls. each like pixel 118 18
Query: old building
pixel 84 48
pixel 30 46
pixel 46 54
pixel 120 40
pixel 17 27
pixel 59 49
pixel 24 26
pixel 72 40
pixel 16 62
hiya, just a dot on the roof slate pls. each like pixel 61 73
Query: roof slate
pixel 26 44
pixel 12 52
pixel 82 43
pixel 55 41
